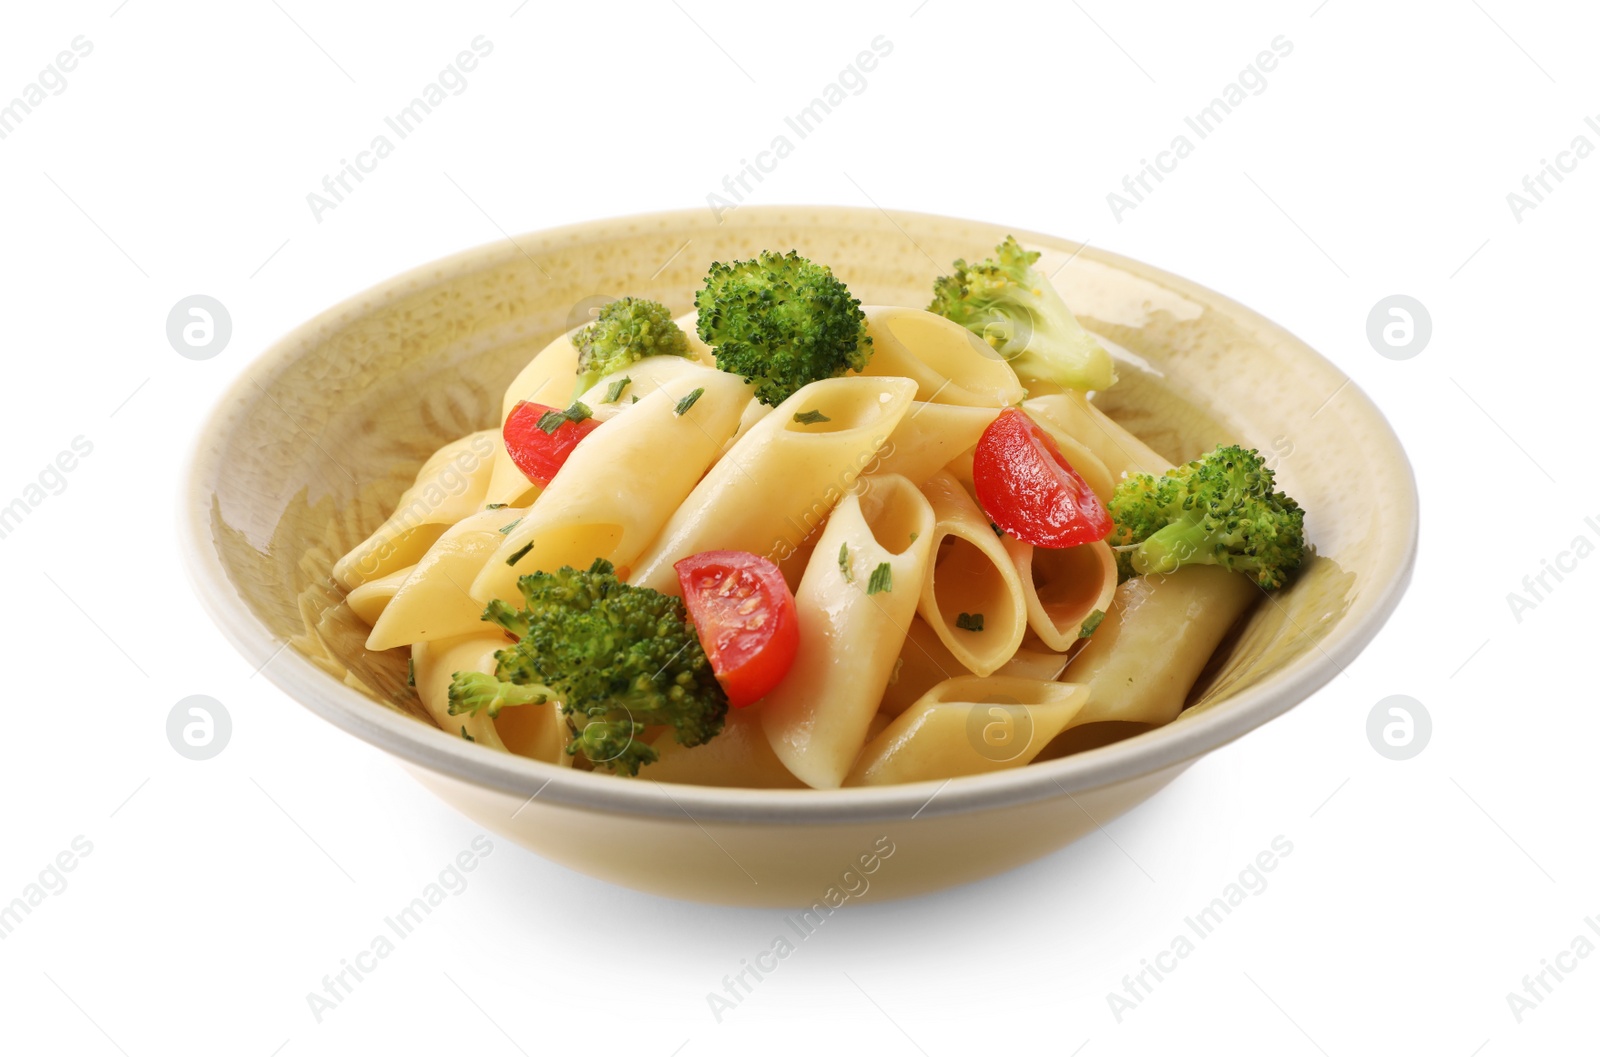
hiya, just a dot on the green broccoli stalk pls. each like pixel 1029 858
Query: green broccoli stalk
pixel 1008 304
pixel 616 658
pixel 1222 509
pixel 781 322
pixel 474 692
pixel 626 330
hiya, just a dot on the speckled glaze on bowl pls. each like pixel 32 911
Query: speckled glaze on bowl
pixel 307 453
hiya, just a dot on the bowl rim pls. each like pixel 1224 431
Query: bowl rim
pixel 417 743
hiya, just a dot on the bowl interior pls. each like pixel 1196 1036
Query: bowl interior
pixel 312 447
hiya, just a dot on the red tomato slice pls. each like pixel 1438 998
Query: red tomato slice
pixel 1029 489
pixel 745 616
pixel 539 454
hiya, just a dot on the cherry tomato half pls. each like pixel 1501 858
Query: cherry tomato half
pixel 745 616
pixel 539 454
pixel 1028 488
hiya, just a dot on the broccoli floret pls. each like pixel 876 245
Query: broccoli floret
pixel 626 330
pixel 617 658
pixel 1222 509
pixel 1008 304
pixel 781 322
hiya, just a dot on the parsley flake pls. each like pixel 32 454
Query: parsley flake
pixel 687 402
pixel 881 580
pixel 1091 622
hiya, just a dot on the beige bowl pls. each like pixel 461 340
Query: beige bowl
pixel 308 452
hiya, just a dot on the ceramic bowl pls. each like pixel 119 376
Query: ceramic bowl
pixel 309 450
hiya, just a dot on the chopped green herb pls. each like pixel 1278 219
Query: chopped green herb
pixel 496 506
pixel 578 412
pixel 551 421
pixel 614 390
pixel 811 418
pixel 464 733
pixel 636 398
pixel 521 554
pixel 914 537
pixel 507 528
pixel 687 402
pixel 411 671
pixel 881 580
pixel 969 621
pixel 1091 622
pixel 997 530
pixel 844 564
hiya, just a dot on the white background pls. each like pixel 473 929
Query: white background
pixel 1377 161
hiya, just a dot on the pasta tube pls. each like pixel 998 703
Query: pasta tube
pixel 949 363
pixel 1035 664
pixel 972 596
pixel 924 663
pixel 930 436
pixel 369 600
pixel 739 756
pixel 643 376
pixel 817 718
pixel 1063 588
pixel 434 603
pixel 432 665
pixel 536 731
pixel 621 484
pixel 969 725
pixel 1155 640
pixel 776 485
pixel 450 485
pixel 1117 449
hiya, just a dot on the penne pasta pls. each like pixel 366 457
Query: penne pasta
pixel 949 363
pixel 924 663
pixel 739 756
pixel 774 487
pixel 434 602
pixel 621 483
pixel 972 596
pixel 369 600
pixel 1043 665
pixel 536 731
pixel 451 485
pixel 930 436
pixel 432 665
pixel 643 377
pixel 880 542
pixel 849 612
pixel 1063 588
pixel 1156 638
pixel 1117 449
pixel 754 412
pixel 969 725
pixel 689 324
